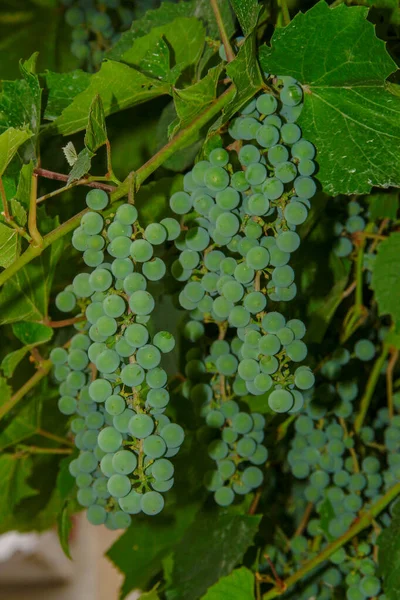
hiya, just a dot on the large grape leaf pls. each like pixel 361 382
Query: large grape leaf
pixel 350 112
pixel 119 86
pixel 238 585
pixel 389 556
pixel 385 277
pixel 247 12
pixel 210 548
pixel 62 89
pixel 10 141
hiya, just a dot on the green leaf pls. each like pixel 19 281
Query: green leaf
pixel 62 89
pixel 239 585
pixel 139 551
pixel 24 425
pixel 349 113
pixel 245 74
pixel 191 101
pixel 10 141
pixel 11 361
pixel 32 334
pixel 18 212
pixel 247 12
pixel 389 556
pixel 209 550
pixel 151 595
pixel 184 36
pixel 119 86
pixel 10 245
pixel 327 514
pixel 24 184
pixel 14 473
pixel 82 165
pixel 385 277
pixel 25 296
pixel 5 391
pixel 64 527
pixel 156 61
pixel 383 206
pixel 96 131
pixel 65 481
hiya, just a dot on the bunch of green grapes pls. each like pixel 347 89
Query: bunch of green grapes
pixel 239 214
pixel 96 25
pixel 111 376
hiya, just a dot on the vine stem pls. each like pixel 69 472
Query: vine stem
pixel 4 201
pixel 360 524
pixel 54 437
pixel 32 224
pixel 230 55
pixel 62 177
pixel 43 370
pixel 64 322
pixel 38 450
pixel 141 175
pixel 389 379
pixel 370 388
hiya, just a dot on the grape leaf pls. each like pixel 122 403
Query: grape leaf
pixel 64 527
pixel 191 101
pixel 385 277
pixel 119 86
pixel 238 585
pixel 10 245
pixel 24 184
pixel 139 551
pixel 247 12
pixel 11 361
pixel 209 549
pixel 14 473
pixel 62 89
pixel 245 74
pixel 151 595
pixel 349 113
pixel 5 391
pixel 156 61
pixel 184 36
pixel 96 131
pixel 32 334
pixel 10 141
pixel 383 206
pixel 389 556
pixel 25 296
pixel 24 425
pixel 18 212
pixel 82 165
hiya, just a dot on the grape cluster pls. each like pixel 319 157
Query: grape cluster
pixel 239 212
pixel 110 375
pixel 354 223
pixel 95 27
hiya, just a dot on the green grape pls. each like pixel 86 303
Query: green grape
pixel 154 446
pixel 248 154
pixel 364 350
pixel 115 405
pixel 247 127
pixel 298 328
pixel 132 375
pixel 194 330
pixel 65 301
pixel 58 356
pixel 114 306
pixel 136 335
pixel 219 157
pixel 257 258
pixel 290 133
pixel 108 361
pixel 233 291
pixel 173 435
pixel 86 496
pixel 199 171
pixel 306 167
pixel 96 515
pixel 172 226
pixel 148 356
pixel 162 469
pixel 216 178
pixel 158 398
pixel 304 378
pixel 255 302
pixel 343 247
pixel 256 173
pixel 227 364
pixel 273 322
pixel 119 247
pixel 242 423
pixel 252 477
pixel 370 585
pixel 288 241
pixel 283 276
pixel 126 214
pixel 189 259
pixel 100 280
pixel 266 104
pixel 124 462
pixel 285 171
pixel 106 326
pixel 226 468
pixel 305 187
pixel 118 485
pixel 295 213
pixel 109 440
pixel 152 503
pixel 155 233
pixel 141 426
pixel 131 503
pixel 94 420
pixel 258 204
pixel 224 496
pixel 246 447
pixel 165 341
pixel 141 250
pixel 81 285
pixel 303 150
pixel 291 95
pixel 280 401
pixel 273 188
pixel 197 239
pixel 92 223
pixel 222 307
pixel 67 405
pixel 215 419
pixel 269 345
pixel 248 369
pixel 87 462
pixel 267 136
pixel 227 224
pixel 239 181
pixel 96 199
pixel 141 303
pixel 117 229
pixel 100 390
